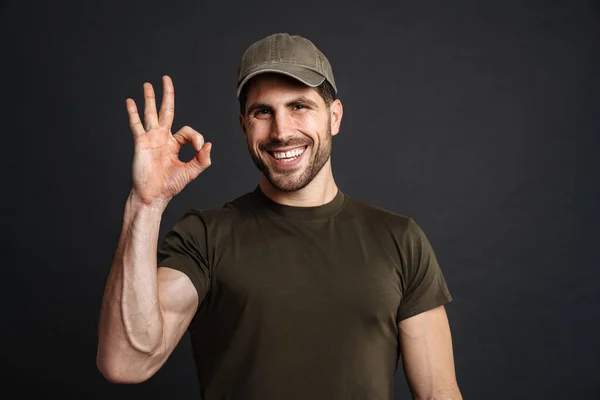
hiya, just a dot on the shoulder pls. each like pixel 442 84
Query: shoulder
pixel 230 212
pixel 372 214
pixel 403 229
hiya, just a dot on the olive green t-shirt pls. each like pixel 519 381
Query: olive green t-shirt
pixel 301 302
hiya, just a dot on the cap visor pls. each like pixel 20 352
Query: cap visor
pixel 302 74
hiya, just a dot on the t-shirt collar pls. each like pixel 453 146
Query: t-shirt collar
pixel 295 212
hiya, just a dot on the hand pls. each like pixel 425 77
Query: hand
pixel 158 174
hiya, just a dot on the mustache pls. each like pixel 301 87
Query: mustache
pixel 275 144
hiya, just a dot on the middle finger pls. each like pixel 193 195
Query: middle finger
pixel 150 117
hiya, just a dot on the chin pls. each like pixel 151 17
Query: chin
pixel 290 182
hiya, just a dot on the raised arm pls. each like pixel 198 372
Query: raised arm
pixel 427 357
pixel 146 310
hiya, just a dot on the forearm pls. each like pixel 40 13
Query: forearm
pixel 130 326
pixel 450 394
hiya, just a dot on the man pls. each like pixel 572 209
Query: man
pixel 292 291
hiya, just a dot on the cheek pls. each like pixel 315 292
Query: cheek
pixel 257 132
pixel 309 124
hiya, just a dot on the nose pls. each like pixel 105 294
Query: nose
pixel 281 127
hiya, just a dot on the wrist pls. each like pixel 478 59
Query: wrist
pixel 136 202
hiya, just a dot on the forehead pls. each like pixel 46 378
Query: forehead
pixel 272 87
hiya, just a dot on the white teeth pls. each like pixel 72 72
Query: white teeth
pixel 288 154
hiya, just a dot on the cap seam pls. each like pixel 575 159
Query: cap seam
pixel 318 58
pixel 283 61
pixel 274 43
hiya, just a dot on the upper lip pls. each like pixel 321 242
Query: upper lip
pixel 284 150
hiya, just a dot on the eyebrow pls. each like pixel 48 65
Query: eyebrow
pixel 292 102
pixel 301 100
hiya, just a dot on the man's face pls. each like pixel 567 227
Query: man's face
pixel 288 129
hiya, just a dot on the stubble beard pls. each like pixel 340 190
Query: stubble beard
pixel 290 181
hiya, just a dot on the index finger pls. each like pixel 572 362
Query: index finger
pixel 167 107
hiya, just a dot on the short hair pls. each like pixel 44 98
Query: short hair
pixel 325 90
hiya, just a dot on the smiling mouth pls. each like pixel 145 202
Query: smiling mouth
pixel 289 155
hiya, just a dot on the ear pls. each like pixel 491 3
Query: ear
pixel 337 111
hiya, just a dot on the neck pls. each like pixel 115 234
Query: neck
pixel 321 190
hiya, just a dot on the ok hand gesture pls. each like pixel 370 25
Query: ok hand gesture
pixel 158 174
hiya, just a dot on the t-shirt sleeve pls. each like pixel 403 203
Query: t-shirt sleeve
pixel 424 286
pixel 185 249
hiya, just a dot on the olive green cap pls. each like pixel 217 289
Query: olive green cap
pixel 281 53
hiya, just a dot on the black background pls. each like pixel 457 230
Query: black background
pixel 480 119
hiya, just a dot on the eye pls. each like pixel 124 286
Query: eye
pixel 299 107
pixel 262 113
